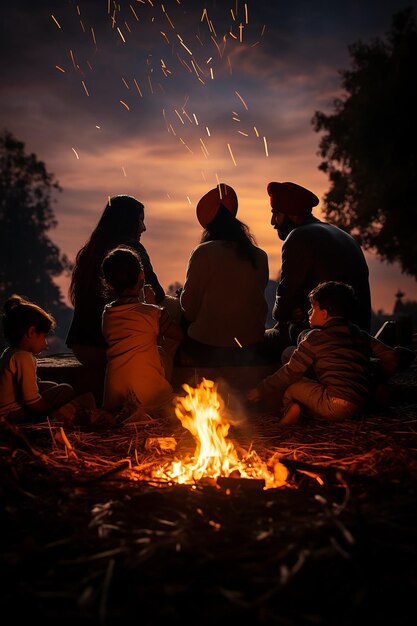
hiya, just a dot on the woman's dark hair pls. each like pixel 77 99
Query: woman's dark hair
pixel 119 224
pixel 225 227
pixel 121 268
pixel 337 298
pixel 20 314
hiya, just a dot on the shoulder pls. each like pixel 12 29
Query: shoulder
pixel 208 248
pixel 21 358
pixel 261 253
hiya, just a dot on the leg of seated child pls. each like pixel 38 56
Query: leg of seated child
pixel 316 402
pixel 55 394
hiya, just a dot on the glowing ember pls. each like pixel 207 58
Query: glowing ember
pixel 200 412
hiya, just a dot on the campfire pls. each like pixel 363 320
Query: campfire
pixel 215 457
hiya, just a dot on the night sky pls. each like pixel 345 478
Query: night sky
pixel 164 100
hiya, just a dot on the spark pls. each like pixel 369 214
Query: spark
pixel 189 201
pixel 56 22
pixel 125 83
pixel 241 27
pixel 232 34
pixel 236 119
pixel 183 44
pixel 196 120
pixel 133 11
pixel 183 142
pixel 182 121
pixel 75 152
pixel 128 27
pixel 211 73
pixel 187 116
pixel 208 132
pixel 256 131
pixel 233 15
pixel 97 126
pixel 204 149
pixel 60 69
pixel 242 133
pixel 208 60
pixel 124 104
pixel 246 14
pixel 266 147
pixel 217 46
pixel 263 30
pixel 93 36
pixel 242 100
pixel 164 35
pixel 124 172
pixel 82 26
pixel 137 87
pixel 109 200
pixel 73 60
pixel 167 16
pixel 230 65
pixel 150 84
pixel 238 342
pixel 85 88
pixel 231 154
pixel 121 35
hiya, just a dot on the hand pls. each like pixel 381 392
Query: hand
pixel 253 395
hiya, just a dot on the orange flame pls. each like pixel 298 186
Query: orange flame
pixel 200 412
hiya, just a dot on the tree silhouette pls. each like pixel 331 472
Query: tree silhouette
pixel 370 145
pixel 28 258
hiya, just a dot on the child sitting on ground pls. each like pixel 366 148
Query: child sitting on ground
pixel 338 354
pixel 133 329
pixel 23 397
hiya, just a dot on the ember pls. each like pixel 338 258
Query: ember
pixel 201 412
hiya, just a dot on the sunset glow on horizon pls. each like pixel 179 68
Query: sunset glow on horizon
pixel 164 100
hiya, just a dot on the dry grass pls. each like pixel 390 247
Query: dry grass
pixel 88 537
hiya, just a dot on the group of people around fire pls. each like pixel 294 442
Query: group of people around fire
pixel 130 334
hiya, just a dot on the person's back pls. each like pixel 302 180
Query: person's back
pixel 313 251
pixel 324 253
pixel 223 298
pixel 134 365
pixel 131 327
pixel 223 295
pixel 121 223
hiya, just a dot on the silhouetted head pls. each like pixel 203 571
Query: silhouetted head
pixel 20 315
pixel 337 298
pixel 122 218
pixel 291 204
pixel 122 268
pixel 209 204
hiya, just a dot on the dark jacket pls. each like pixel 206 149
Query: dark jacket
pixel 339 356
pixel 86 321
pixel 317 252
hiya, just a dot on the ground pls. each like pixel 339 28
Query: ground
pixel 88 538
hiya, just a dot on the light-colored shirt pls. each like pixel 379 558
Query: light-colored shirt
pixel 134 365
pixel 18 381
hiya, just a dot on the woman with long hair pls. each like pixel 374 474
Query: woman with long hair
pixel 223 298
pixel 121 223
